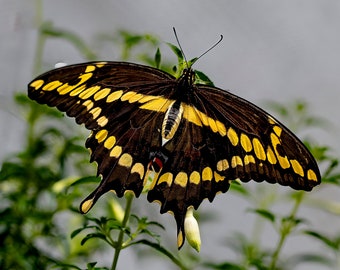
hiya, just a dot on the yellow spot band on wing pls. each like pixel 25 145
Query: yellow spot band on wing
pixel 159 104
pixel 116 151
pixel 218 177
pixel 246 143
pixel 195 178
pixel 89 92
pixel 66 88
pixel 101 94
pixel 181 179
pixel 52 85
pixel 165 178
pixel 222 165
pixel 232 135
pixel 110 142
pixel 207 174
pixel 90 68
pixel 297 167
pixel 102 121
pixel 95 112
pixel 114 96
pixel 125 160
pixel 249 159
pixel 236 161
pixel 271 156
pixel 258 149
pixel 37 84
pixel 138 168
pixel 311 175
pixel 101 135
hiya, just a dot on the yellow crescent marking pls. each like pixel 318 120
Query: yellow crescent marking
pixel 232 135
pixel 102 121
pixel 181 179
pixel 110 142
pixel 37 84
pixel 297 167
pixel 114 96
pixel 125 160
pixel 101 94
pixel 88 104
pixel 51 85
pixel 236 161
pixel 101 135
pixel 207 174
pixel 180 239
pixel 166 178
pixel 138 168
pixel 249 159
pixel 311 175
pixel 95 112
pixel 246 143
pixel 86 206
pixel 195 178
pixel 258 149
pixel 90 68
pixel 222 165
pixel 116 151
pixel 218 177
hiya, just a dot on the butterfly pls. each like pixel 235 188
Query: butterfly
pixel 179 140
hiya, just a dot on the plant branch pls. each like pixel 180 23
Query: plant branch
pixel 119 246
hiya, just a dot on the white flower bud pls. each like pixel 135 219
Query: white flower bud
pixel 191 229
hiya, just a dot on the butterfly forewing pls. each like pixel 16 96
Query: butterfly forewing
pixel 181 142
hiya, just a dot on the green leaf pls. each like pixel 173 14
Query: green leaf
pixel 310 258
pixel 201 78
pixel 332 242
pixel 158 58
pixel 224 266
pixel 265 214
pixel 91 236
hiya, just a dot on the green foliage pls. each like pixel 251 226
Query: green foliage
pixel 36 190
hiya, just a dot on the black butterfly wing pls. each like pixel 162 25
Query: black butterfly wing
pixel 259 146
pixel 123 104
pixel 220 137
pixel 223 137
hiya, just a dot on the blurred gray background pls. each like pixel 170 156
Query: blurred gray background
pixel 272 50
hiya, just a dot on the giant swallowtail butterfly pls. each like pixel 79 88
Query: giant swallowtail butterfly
pixel 190 139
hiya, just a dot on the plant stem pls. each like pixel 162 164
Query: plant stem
pixel 119 247
pixel 285 231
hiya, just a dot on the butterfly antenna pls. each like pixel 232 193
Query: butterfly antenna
pixel 212 47
pixel 180 47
